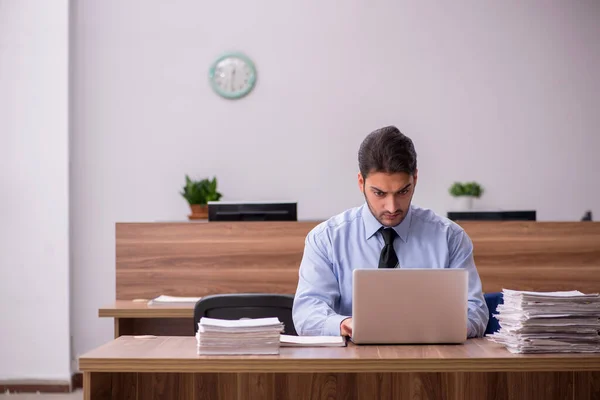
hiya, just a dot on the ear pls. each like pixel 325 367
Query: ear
pixel 361 183
pixel 415 177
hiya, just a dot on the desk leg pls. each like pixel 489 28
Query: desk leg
pixel 96 385
pixel 110 385
pixel 117 328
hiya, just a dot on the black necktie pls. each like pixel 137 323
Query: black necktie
pixel 388 258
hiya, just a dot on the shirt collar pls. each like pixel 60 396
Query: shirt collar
pixel 372 225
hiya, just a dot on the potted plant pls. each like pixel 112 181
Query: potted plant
pixel 198 194
pixel 465 193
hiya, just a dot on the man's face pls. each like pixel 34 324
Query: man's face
pixel 388 195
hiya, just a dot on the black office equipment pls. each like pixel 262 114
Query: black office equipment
pixel 492 215
pixel 247 305
pixel 252 211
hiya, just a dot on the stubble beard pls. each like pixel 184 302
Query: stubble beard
pixel 380 217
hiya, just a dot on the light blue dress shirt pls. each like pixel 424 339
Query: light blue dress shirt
pixel 351 240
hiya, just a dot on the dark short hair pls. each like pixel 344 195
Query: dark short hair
pixel 387 150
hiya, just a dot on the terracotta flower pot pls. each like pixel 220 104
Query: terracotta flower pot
pixel 199 211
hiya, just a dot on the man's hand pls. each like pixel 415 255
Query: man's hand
pixel 346 327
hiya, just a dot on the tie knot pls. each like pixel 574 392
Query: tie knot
pixel 388 235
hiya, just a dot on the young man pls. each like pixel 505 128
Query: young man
pixel 385 232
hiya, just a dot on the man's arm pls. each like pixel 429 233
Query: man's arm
pixel 461 256
pixel 318 290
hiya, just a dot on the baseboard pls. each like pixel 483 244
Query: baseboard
pixel 42 386
pixel 34 386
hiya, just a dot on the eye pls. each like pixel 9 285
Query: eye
pixel 378 194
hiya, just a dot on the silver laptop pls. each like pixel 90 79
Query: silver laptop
pixel 409 306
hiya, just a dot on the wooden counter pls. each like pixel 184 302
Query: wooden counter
pixel 183 259
pixel 139 318
pixel 168 367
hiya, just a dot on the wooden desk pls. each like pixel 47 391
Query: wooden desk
pixel 169 368
pixel 138 318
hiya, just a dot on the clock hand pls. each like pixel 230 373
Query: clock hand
pixel 232 78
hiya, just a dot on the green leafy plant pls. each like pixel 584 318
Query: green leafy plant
pixel 466 189
pixel 200 192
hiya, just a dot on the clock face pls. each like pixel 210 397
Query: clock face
pixel 233 76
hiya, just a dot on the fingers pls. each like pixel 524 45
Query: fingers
pixel 347 328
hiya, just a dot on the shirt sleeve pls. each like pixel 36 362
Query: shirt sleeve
pixel 318 290
pixel 461 256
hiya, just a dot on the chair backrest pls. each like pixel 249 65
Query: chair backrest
pixel 247 305
pixel 587 216
pixel 492 300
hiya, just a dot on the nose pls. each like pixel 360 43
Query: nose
pixel 391 205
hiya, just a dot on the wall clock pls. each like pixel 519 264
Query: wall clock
pixel 232 75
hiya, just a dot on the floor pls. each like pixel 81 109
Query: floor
pixel 77 395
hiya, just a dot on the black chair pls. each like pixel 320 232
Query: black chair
pixel 247 305
pixel 492 300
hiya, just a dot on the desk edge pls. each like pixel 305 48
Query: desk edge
pixel 287 365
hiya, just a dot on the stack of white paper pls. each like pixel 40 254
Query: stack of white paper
pixel 549 322
pixel 312 341
pixel 245 336
pixel 173 300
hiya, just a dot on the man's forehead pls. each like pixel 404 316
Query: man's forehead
pixel 389 182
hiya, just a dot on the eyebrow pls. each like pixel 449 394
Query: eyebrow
pixel 376 189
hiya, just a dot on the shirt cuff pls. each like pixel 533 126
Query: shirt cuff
pixel 332 325
pixel 472 331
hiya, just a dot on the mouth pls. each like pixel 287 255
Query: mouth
pixel 391 216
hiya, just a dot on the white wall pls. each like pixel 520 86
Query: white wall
pixel 516 82
pixel 34 179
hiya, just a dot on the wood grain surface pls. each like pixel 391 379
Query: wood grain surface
pixel 359 386
pixel 186 259
pixel 178 354
pixel 169 368
pixel 131 309
pixel 540 256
